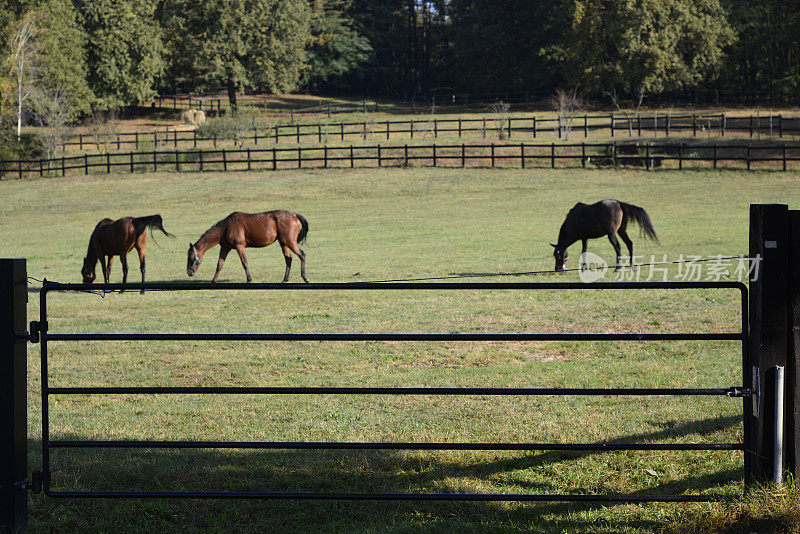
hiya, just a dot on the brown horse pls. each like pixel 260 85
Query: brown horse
pixel 117 238
pixel 239 230
pixel 607 217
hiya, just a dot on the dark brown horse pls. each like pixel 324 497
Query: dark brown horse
pixel 117 238
pixel 607 217
pixel 240 230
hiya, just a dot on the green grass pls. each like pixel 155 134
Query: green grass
pixel 371 224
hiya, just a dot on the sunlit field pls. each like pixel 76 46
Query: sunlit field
pixel 381 224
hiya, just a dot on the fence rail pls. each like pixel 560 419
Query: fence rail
pixel 779 156
pixel 615 125
pixel 216 104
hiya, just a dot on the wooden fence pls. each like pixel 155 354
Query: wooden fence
pixel 218 105
pixel 648 155
pixel 666 125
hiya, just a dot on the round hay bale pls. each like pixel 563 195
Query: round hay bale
pixel 193 116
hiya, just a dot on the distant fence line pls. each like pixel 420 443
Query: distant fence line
pixel 219 104
pixel 531 127
pixel 521 155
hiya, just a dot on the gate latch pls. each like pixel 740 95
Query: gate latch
pixel 34 331
pixel 739 392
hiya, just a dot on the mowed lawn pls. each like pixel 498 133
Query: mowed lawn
pixel 375 225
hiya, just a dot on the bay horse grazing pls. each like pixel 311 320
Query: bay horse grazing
pixel 240 230
pixel 117 238
pixel 607 217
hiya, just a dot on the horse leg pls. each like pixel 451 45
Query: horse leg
pixel 240 250
pixel 123 259
pixel 287 257
pixel 140 248
pixel 302 255
pixel 223 253
pixel 107 269
pixel 615 243
pixel 585 243
pixel 628 243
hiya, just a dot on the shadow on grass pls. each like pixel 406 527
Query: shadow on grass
pixel 340 471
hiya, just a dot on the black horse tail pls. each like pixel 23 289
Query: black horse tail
pixel 304 230
pixel 641 217
pixel 154 222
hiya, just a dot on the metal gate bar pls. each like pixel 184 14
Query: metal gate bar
pixel 736 391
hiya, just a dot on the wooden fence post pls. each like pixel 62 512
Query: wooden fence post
pixel 177 161
pixel 612 124
pixel 434 155
pixel 585 125
pixel 694 125
pixel 553 155
pixel 352 161
pixel 492 155
pixel 715 155
pixel 784 160
pixel 13 396
pixel 534 126
pixel 379 157
pixel 200 159
pixel 224 160
pixel 85 164
pixel 299 157
pixel 522 154
pixel 131 162
pixel 463 155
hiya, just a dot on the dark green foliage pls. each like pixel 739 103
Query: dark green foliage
pixel 336 49
pixel 241 44
pixel 643 47
pixel 27 147
pixel 498 45
pixel 125 51
pixel 61 61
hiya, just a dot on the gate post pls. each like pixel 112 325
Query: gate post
pixel 13 391
pixel 792 401
pixel 769 246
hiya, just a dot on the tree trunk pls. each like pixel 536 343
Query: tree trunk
pixel 232 95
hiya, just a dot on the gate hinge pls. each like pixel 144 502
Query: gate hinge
pixel 739 392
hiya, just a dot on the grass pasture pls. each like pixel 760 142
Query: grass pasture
pixel 375 224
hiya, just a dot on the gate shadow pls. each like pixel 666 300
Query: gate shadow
pixel 335 471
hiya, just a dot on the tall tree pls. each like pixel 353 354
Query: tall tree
pixel 766 55
pixel 61 62
pixel 241 44
pixel 336 49
pixel 643 46
pixel 497 45
pixel 125 55
pixel 23 51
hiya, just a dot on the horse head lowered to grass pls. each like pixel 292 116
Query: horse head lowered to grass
pixel 605 218
pixel 117 238
pixel 240 230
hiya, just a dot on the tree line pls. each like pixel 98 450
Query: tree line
pixel 82 55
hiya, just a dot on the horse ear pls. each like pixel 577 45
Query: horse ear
pixel 554 246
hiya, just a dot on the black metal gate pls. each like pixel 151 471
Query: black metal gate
pixel 42 333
